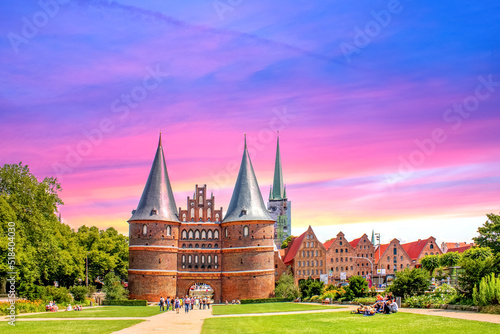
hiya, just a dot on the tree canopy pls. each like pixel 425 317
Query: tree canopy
pixel 47 250
pixel 489 233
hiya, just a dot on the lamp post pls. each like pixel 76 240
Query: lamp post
pixel 377 237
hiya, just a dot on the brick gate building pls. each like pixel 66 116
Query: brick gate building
pixel 170 250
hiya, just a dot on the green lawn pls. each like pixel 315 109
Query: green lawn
pixel 75 326
pixel 345 323
pixel 266 308
pixel 103 311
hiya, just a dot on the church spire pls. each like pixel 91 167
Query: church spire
pixel 246 202
pixel 278 188
pixel 157 201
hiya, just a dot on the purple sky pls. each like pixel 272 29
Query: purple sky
pixel 388 111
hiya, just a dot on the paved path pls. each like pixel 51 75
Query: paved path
pixel 493 318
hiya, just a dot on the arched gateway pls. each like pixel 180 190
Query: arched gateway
pixel 171 250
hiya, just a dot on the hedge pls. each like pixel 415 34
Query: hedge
pixel 264 300
pixel 140 302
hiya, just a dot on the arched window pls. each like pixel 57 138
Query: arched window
pixel 203 259
pixel 183 217
pixel 190 234
pixel 209 259
pixel 200 200
pixel 245 231
pixel 190 259
pixel 202 245
pixel 200 214
pixel 217 217
pixel 216 235
pixel 192 213
pixel 226 232
pixel 144 229
pixel 169 230
pixel 190 246
pixel 197 235
pixel 203 235
pixel 184 234
pixel 216 258
pixel 209 213
pixel 216 246
pixel 209 245
pixel 197 246
pixel 196 258
pixel 209 235
pixel 183 245
pixel 183 259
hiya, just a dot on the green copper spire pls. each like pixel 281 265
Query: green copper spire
pixel 278 189
pixel 373 237
pixel 284 192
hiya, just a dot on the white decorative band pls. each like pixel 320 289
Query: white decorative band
pixel 203 272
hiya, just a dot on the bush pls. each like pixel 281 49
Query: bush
pixel 113 287
pixel 311 287
pixel 409 282
pixel 286 288
pixel 358 285
pixel 59 295
pixel 79 293
pixel 365 301
pixel 488 292
pixel 139 302
pixel 264 300
pixel 315 298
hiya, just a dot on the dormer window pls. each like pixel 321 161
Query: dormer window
pixel 154 212
pixel 243 212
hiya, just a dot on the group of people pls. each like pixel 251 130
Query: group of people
pixel 383 305
pixel 188 303
pixel 52 306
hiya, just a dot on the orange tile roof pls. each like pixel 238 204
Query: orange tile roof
pixel 460 249
pixel 354 243
pixel 329 243
pixel 413 249
pixel 450 245
pixel 294 248
pixel 382 251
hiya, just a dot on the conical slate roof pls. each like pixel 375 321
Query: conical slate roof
pixel 246 203
pixel 278 191
pixel 157 200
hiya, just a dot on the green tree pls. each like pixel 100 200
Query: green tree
pixel 449 259
pixel 474 266
pixel 7 215
pixel 410 282
pixel 113 287
pixel 358 285
pixel 286 288
pixel 285 242
pixel 489 233
pixel 311 287
pixel 477 253
pixel 430 263
pixel 79 293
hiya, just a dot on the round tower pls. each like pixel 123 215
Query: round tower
pixel 153 237
pixel 247 240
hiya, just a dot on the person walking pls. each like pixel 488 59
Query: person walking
pixel 172 302
pixel 177 305
pixel 187 302
pixel 162 304
pixel 167 302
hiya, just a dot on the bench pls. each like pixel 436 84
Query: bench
pixel 326 301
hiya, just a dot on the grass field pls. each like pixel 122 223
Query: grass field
pixel 346 323
pixel 266 308
pixel 75 326
pixel 105 311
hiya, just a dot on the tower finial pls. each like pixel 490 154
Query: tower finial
pixel 245 140
pixel 159 142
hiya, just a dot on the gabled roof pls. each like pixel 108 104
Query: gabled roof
pixel 246 203
pixel 455 244
pixel 329 243
pixel 294 248
pixel 355 242
pixel 382 250
pixel 459 249
pixel 157 201
pixel 413 249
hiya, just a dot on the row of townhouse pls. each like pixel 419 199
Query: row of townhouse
pixel 339 259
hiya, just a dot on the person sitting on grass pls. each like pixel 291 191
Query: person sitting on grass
pixel 393 306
